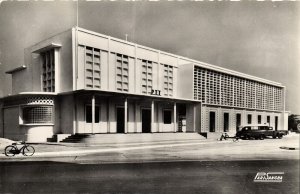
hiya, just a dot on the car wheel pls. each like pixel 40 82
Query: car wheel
pixel 279 136
pixel 274 137
pixel 261 137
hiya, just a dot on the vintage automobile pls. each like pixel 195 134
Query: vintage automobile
pixel 259 132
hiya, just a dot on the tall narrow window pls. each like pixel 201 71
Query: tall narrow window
pixel 268 120
pixel 122 72
pixel 88 114
pixel 48 71
pixel 238 121
pixel 249 119
pixel 276 123
pixel 92 68
pixel 168 80
pixel 212 121
pixel 259 119
pixel 146 77
pixel 226 122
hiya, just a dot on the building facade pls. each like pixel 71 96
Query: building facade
pixel 81 81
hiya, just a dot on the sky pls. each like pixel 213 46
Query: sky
pixel 256 38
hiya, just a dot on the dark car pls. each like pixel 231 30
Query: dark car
pixel 259 132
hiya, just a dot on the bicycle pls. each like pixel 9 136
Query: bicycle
pixel 26 150
pixel 235 139
pixel 223 136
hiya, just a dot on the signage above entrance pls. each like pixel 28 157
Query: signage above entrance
pixel 155 92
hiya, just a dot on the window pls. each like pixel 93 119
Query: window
pixel 88 114
pixel 122 72
pixel 48 71
pixel 37 114
pixel 92 68
pixel 259 119
pixel 276 122
pixel 168 80
pixel 226 122
pixel 212 121
pixel 238 121
pixel 249 119
pixel 146 77
pixel 268 119
pixel 167 116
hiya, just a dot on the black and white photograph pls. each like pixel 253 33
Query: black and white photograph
pixel 158 97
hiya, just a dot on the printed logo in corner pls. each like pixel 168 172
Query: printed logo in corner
pixel 271 177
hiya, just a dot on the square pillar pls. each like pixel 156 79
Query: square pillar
pixel 152 116
pixel 125 116
pixel 175 117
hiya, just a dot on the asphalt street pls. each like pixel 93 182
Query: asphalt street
pixel 155 167
pixel 157 177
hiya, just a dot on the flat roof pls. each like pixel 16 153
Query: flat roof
pixel 198 63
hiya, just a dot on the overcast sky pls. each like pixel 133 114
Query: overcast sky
pixel 257 38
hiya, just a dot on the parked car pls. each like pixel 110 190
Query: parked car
pixel 259 132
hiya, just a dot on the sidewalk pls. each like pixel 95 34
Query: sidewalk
pixel 73 149
pixel 169 150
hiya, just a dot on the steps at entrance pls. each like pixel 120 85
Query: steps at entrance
pixel 76 138
pixel 131 138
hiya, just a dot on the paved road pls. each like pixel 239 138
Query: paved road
pixel 159 177
pixel 175 167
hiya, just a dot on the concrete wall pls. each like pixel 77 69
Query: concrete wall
pixel 14 130
pixel 37 133
pixel 109 48
pixel 11 124
pixel 232 118
pixel 66 105
pixel 29 80
pixel 186 83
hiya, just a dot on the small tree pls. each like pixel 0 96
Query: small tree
pixel 294 120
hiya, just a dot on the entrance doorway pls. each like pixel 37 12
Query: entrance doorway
pixel 212 121
pixel 120 120
pixel 146 120
pixel 181 109
pixel 226 122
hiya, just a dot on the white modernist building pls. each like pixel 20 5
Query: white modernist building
pixel 81 81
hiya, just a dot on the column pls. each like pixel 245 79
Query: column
pixel 152 116
pixel 136 117
pixel 107 113
pixel 174 117
pixel 93 113
pixel 125 116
